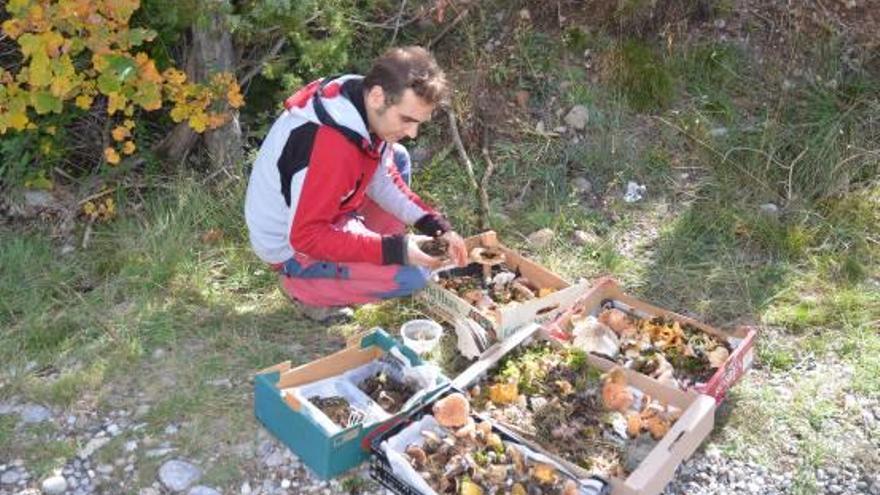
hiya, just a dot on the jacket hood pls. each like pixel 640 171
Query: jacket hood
pixel 337 102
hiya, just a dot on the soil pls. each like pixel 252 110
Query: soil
pixel 336 408
pixel 461 281
pixel 389 393
pixel 435 247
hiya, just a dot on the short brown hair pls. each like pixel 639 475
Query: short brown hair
pixel 409 67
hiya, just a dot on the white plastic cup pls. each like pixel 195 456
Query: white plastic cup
pixel 421 335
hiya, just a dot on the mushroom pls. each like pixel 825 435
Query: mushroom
pixel 616 395
pixel 570 488
pixel 718 356
pixel 617 320
pixel 503 393
pixel 417 456
pixel 633 424
pixel 452 411
pixel 488 257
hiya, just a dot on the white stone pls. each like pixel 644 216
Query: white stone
pixel 541 238
pixel 285 483
pixel 202 490
pixel 583 238
pixel 581 185
pixel 178 475
pixel 54 485
pixel 131 446
pixel 92 446
pixel 274 459
pixel 245 488
pixel 577 117
pixel 38 199
pixel 769 209
pixel 34 413
pixel 10 477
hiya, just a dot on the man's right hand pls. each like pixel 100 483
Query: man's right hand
pixel 415 256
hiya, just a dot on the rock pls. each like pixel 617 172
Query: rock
pixel 285 483
pixel 718 132
pixel 141 411
pixel 155 453
pixel 178 475
pixel 38 199
pixel 54 485
pixel 91 447
pixel 221 382
pixel 113 429
pixel 245 488
pixel 34 413
pixel 274 459
pixel 769 209
pixel 158 353
pixel 583 238
pixel 171 429
pixel 202 490
pixel 67 249
pixel 8 408
pixel 104 469
pixel 130 446
pixel 577 117
pixel 10 477
pixel 541 238
pixel 148 491
pixel 581 185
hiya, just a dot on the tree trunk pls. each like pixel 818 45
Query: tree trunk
pixel 211 52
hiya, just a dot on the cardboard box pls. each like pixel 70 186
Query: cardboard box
pixel 403 483
pixel 658 468
pixel 301 429
pixel 741 339
pixel 448 306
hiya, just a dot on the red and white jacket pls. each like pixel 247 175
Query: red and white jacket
pixel 315 167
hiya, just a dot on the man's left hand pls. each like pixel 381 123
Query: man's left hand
pixel 457 250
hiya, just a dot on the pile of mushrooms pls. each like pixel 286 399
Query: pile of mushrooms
pixel 469 458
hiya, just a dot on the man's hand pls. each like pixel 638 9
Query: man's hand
pixel 415 256
pixel 457 250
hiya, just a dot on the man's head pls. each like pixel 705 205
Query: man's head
pixel 401 90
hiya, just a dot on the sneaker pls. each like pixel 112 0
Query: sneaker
pixel 323 314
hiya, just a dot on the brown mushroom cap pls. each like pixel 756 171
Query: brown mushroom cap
pixel 452 411
pixel 487 256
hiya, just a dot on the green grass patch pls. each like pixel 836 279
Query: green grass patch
pixel 643 77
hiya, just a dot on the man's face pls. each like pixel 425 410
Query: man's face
pixel 399 120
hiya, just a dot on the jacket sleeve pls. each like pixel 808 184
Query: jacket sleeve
pixel 388 189
pixel 331 176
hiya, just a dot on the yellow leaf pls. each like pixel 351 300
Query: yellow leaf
pixel 111 156
pixel 174 76
pixel 119 133
pixel 18 120
pixel 12 28
pixel 50 130
pixel 128 111
pixel 129 147
pixel 84 102
pixel 178 113
pixel 128 123
pixel 199 122
pixel 234 97
pixel 503 393
pixel 39 70
pixel 115 102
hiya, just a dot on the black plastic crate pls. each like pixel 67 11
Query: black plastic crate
pixel 380 468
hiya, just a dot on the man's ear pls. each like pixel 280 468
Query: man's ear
pixel 376 97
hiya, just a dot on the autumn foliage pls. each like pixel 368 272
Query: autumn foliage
pixel 83 53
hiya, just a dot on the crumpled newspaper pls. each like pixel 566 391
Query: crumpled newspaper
pixel 634 192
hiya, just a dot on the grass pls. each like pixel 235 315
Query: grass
pixel 153 314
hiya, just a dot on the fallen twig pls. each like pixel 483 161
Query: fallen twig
pixel 449 27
